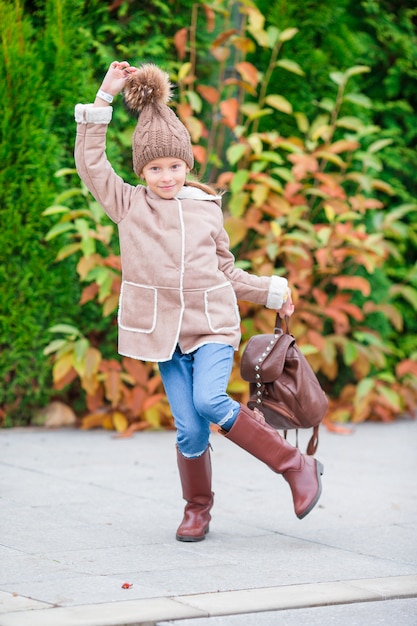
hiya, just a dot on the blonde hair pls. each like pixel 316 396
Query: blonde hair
pixel 204 187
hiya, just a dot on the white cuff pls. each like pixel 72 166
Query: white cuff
pixel 277 290
pixel 89 114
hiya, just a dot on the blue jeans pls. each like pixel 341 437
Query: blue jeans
pixel 196 385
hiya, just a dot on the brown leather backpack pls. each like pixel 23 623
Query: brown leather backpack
pixel 282 384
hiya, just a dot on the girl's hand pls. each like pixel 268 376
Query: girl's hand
pixel 287 308
pixel 116 77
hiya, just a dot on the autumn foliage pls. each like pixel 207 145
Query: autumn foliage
pixel 311 206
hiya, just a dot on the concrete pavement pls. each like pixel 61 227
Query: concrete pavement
pixel 82 513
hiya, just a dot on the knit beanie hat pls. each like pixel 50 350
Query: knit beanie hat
pixel 159 132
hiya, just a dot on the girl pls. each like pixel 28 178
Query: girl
pixel 178 300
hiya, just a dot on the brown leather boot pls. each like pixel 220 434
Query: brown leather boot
pixel 195 477
pixel 302 472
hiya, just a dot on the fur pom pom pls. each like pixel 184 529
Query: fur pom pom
pixel 149 85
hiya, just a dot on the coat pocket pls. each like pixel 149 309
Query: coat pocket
pixel 221 308
pixel 137 307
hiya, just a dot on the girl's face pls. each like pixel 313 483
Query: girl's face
pixel 165 176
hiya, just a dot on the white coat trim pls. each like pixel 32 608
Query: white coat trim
pixel 195 193
pixel 89 114
pixel 137 329
pixel 277 289
pixel 206 303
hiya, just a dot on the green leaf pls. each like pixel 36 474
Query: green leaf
pixel 271 157
pixel 358 98
pixel 235 152
pixel 54 209
pixel 302 122
pixel 350 352
pixel 58 229
pixel 239 180
pixel 364 387
pixel 350 122
pixel 69 193
pixel 195 101
pixel 65 171
pixel 376 146
pixel 327 104
pixel 273 35
pixel 65 328
pixel 255 143
pixel 288 34
pixel 238 203
pixel 408 293
pixel 66 251
pixel 357 69
pixel 337 77
pixel 392 397
pixel 80 348
pixel 279 103
pixel 368 338
pixel 307 349
pixel 253 111
pixel 83 227
pixel 290 66
pixel 54 346
pixel 284 173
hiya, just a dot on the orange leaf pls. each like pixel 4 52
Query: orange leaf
pixel 180 41
pixel 138 397
pixel 112 385
pixel 89 293
pixel 406 367
pixel 303 164
pixel 248 72
pixel 113 261
pixel 229 109
pixel 210 17
pixel 353 283
pixel 210 94
pixel 137 369
pixel 338 428
pixel 224 37
pixel 200 154
pixel 87 263
pixel 184 110
pixel 152 400
pixel 343 146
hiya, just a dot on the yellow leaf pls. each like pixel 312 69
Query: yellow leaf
pixel 62 366
pixel 108 422
pixel 183 71
pixel 92 361
pixel 110 304
pixel 92 420
pixel 259 194
pixel 120 421
pixel 153 416
pixel 236 229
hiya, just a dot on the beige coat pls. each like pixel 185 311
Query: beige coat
pixel 179 281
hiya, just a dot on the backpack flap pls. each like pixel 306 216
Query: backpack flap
pixel 263 359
